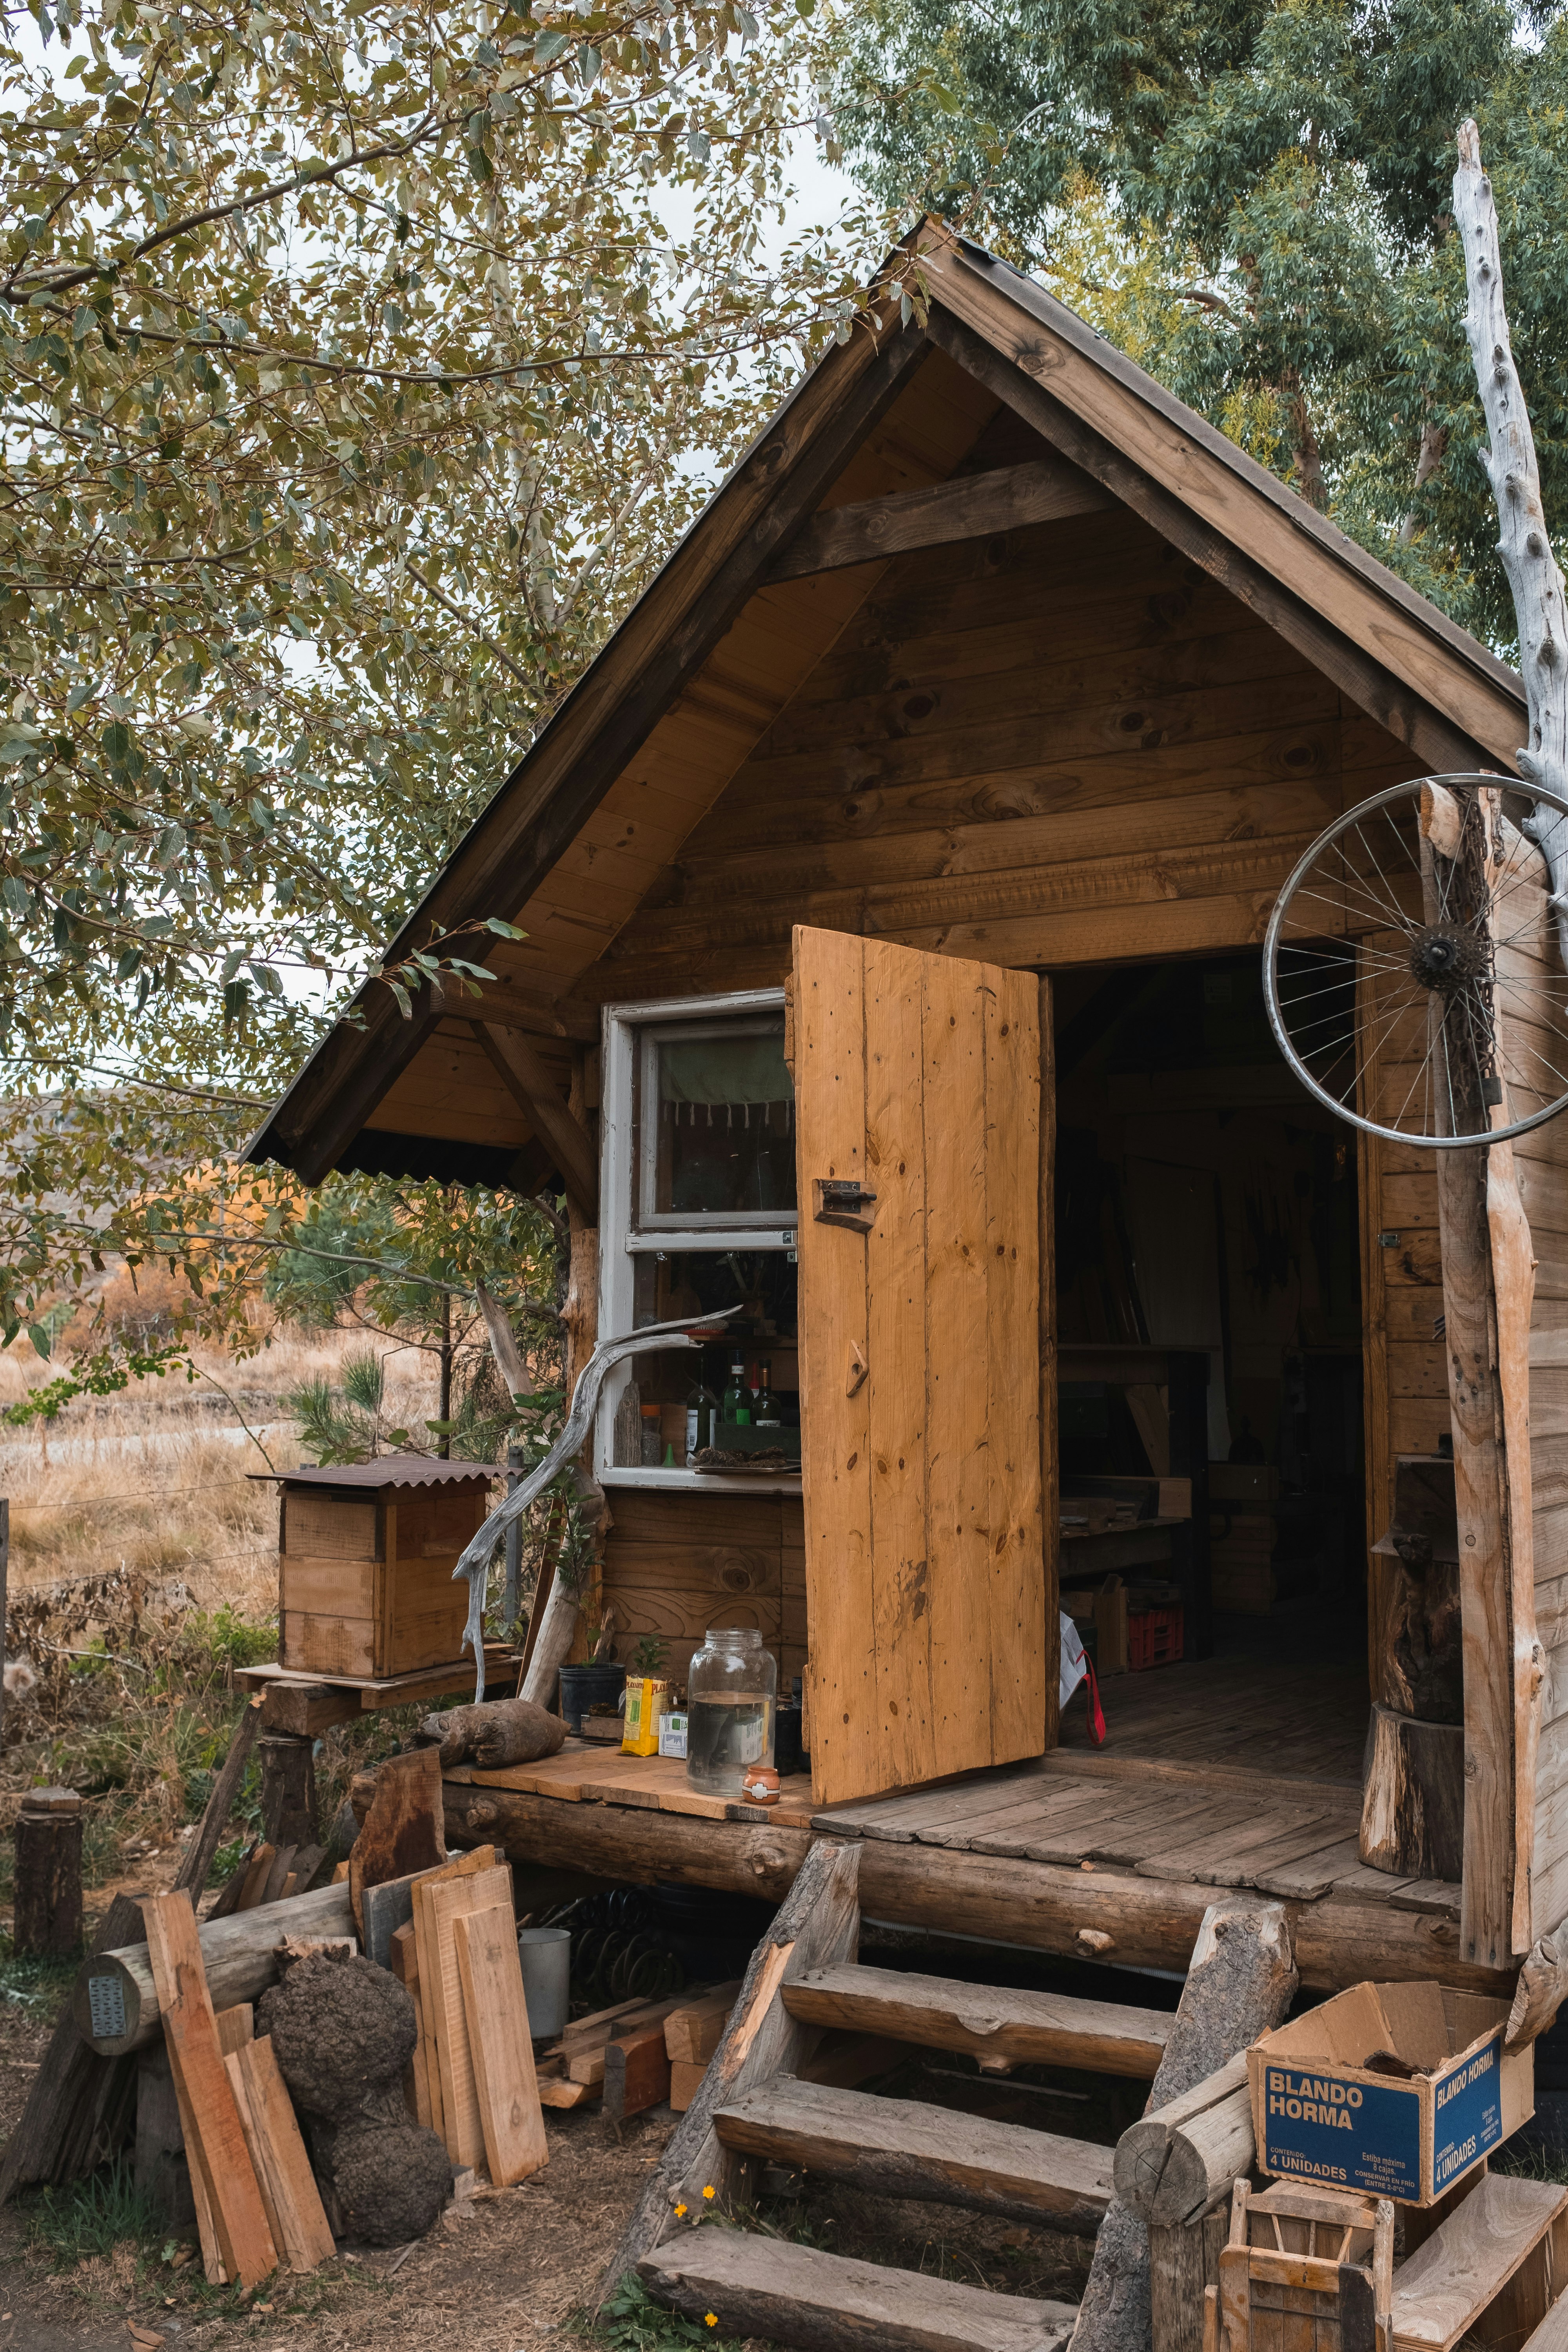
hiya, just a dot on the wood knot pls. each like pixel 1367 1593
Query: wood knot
pixel 481 1812
pixel 1094 1939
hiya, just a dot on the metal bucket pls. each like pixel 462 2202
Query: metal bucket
pixel 546 1957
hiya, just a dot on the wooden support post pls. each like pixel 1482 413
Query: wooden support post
pixel 48 1918
pixel 192 1871
pixel 1240 1981
pixel 1413 1821
pixel 288 1790
pixel 528 1078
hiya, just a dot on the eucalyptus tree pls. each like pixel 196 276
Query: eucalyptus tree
pixel 1252 196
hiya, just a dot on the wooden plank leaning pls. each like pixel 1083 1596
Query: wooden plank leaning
pixel 497 2012
pixel 294 2213
pixel 208 2113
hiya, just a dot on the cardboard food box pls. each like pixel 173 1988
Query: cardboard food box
pixel 672 1732
pixel 648 1699
pixel 1398 2090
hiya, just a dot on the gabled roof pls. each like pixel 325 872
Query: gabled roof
pixel 1392 654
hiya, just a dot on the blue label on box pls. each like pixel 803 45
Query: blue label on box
pixel 1467 2113
pixel 1355 2134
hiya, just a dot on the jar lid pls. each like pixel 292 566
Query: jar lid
pixel 747 1636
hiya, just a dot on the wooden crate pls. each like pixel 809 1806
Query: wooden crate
pixel 365 1572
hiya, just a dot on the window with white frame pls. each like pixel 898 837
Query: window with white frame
pixel 698 1214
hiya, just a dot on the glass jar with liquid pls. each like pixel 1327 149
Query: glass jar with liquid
pixel 731 1687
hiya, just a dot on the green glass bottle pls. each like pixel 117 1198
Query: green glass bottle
pixel 735 1405
pixel 767 1405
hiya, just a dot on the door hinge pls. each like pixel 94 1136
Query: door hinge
pixel 844 1201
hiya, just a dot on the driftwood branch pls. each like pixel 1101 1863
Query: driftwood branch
pixel 474 1562
pixel 1539 602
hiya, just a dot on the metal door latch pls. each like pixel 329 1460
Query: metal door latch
pixel 844 1201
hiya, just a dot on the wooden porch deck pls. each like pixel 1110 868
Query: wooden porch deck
pixel 1213 1777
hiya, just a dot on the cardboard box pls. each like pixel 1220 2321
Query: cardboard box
pixel 672 1732
pixel 1398 2090
pixel 648 1699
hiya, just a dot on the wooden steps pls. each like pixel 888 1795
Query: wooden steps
pixel 786 2294
pixel 898 2147
pixel 987 2021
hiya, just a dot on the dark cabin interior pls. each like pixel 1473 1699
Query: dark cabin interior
pixel 1205 1203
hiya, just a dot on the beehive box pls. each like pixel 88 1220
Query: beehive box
pixel 366 1555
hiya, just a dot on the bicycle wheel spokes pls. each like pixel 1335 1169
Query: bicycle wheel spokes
pixel 1413 977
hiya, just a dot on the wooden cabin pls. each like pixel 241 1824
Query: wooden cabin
pixel 893 886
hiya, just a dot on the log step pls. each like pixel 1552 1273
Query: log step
pixel 792 2294
pixel 987 2020
pixel 898 2147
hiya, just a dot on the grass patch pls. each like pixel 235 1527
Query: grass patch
pixel 43 1985
pixel 633 2322
pixel 89 2220
pixel 1530 2161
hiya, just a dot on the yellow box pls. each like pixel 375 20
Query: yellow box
pixel 648 1698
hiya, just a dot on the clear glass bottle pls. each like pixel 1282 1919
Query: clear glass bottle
pixel 701 1407
pixel 735 1405
pixel 731 1689
pixel 765 1413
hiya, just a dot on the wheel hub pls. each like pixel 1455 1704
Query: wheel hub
pixel 1444 956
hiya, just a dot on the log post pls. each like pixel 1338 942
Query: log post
pixel 48 1917
pixel 1240 1982
pixel 115 2003
pixel 1496 1919
pixel 288 1790
pixel 1412 1812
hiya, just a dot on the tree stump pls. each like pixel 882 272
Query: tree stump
pixel 288 1790
pixel 47 1919
pixel 1413 1804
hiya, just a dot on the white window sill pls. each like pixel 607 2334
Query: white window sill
pixel 701 1482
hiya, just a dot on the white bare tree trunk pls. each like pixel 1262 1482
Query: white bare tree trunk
pixel 1539 601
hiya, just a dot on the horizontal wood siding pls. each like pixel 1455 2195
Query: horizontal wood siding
pixel 677 1564
pixel 1064 744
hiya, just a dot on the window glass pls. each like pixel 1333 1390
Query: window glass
pixel 724 1123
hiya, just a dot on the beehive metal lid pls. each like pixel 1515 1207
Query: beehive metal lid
pixel 387 1470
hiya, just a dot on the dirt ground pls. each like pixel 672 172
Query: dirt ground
pixel 502 2272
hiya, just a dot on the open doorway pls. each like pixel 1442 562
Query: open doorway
pixel 1207 1211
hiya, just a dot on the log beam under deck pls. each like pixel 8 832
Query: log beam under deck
pixel 1150 1923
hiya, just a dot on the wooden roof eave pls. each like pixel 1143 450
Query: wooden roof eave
pixel 660 645
pixel 1393 654
pixel 1401 659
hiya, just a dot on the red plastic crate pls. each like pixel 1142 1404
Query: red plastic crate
pixel 1153 1638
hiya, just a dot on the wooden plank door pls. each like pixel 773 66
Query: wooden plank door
pixel 919 1078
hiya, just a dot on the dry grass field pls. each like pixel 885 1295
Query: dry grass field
pixel 144 1570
